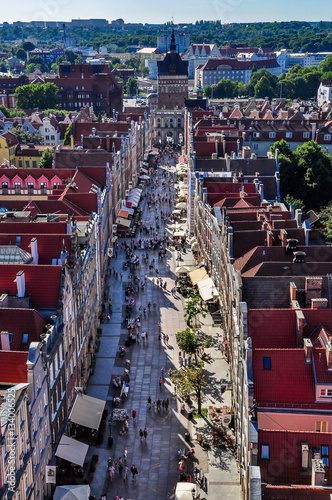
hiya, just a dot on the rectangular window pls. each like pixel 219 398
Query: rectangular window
pixel 43 188
pixel 289 135
pixel 4 187
pixel 267 363
pixel 34 164
pixel 27 164
pixel 325 455
pixel 20 164
pixel 25 338
pixel 321 426
pixel 306 135
pixel 255 134
pixel 272 135
pixel 17 188
pixel 10 337
pixel 327 137
pixel 265 452
pixel 30 187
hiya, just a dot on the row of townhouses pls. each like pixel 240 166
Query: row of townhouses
pixel 57 230
pixel 274 284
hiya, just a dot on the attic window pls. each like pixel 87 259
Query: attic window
pixel 265 452
pixel 327 137
pixel 10 337
pixel 325 454
pixel 18 240
pixel 267 363
pixel 25 338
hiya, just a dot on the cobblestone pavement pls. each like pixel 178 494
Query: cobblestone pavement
pixel 156 461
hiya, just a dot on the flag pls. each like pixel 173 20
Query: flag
pixel 50 474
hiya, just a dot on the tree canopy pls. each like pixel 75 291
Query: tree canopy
pixel 37 95
pixel 188 342
pixel 190 381
pixel 46 160
pixel 305 174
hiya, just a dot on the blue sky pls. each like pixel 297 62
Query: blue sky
pixel 159 12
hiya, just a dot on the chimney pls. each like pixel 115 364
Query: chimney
pixel 283 237
pixel 269 238
pixel 20 283
pixel 34 250
pixel 246 152
pixel 3 300
pixel 230 242
pixel 307 350
pixel 313 288
pixel 300 322
pixel 228 163
pixel 328 351
pixel 319 303
pixel 292 291
pixel 5 345
pixel 317 472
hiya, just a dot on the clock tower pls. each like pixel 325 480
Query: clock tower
pixel 172 79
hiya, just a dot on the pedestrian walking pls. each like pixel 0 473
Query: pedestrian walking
pixel 162 371
pixel 163 405
pixel 166 404
pixel 149 403
pixel 196 473
pixel 111 471
pixel 146 336
pixel 125 455
pixel 141 434
pixel 134 413
pixel 133 471
pixel 125 472
pixel 160 382
pixel 145 433
pixel 121 275
pixel 166 338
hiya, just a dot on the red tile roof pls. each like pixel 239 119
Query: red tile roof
pixel 272 328
pixel 283 467
pixel 49 245
pixel 274 387
pixel 294 492
pixel 41 282
pixel 18 228
pixel 288 269
pixel 19 321
pixel 13 368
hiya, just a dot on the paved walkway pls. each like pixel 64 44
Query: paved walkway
pixel 156 461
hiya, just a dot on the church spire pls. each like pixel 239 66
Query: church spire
pixel 172 47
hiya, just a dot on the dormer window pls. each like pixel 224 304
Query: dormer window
pixel 267 363
pixel 25 338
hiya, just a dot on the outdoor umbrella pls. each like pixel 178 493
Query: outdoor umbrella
pixel 72 492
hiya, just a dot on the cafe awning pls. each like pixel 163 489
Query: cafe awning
pixel 72 492
pixel 207 289
pixel 179 234
pixel 182 270
pixel 87 411
pixel 124 214
pixel 176 212
pixel 72 450
pixel 123 222
pixel 198 275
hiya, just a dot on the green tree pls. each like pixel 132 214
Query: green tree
pixel 190 381
pixel 193 309
pixel 46 160
pixel 289 200
pixel 145 72
pixel 263 88
pixel 325 217
pixel 21 54
pixel 25 137
pixel 132 86
pixel 188 342
pixel 42 96
pixel 28 46
pixel 5 111
pixel 326 65
pixel 68 133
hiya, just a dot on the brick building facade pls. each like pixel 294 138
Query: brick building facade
pixel 88 85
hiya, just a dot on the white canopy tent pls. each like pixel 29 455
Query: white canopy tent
pixel 72 492
pixel 72 450
pixel 123 222
pixel 87 411
pixel 144 170
pixel 144 177
pixel 182 270
pixel 207 289
pixel 179 234
pixel 184 491
pixel 181 205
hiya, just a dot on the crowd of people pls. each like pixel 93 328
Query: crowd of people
pixel 153 238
